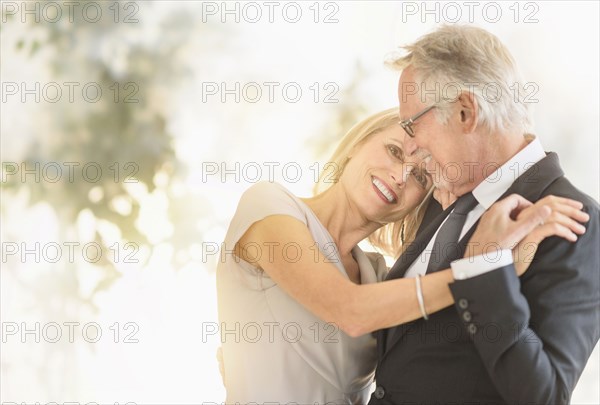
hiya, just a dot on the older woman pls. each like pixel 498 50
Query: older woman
pixel 298 297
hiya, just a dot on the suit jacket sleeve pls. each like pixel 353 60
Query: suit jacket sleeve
pixel 535 335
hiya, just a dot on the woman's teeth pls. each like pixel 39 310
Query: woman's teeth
pixel 384 190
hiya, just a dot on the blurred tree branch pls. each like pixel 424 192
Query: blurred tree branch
pixel 112 131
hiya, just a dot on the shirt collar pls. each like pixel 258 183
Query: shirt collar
pixel 496 184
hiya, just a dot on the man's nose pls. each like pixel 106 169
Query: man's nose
pixel 410 146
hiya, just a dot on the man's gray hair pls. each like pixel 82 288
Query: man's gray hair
pixel 457 58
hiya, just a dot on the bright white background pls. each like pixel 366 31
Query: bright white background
pixel 174 362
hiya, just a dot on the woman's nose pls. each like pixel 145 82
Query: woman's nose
pixel 400 174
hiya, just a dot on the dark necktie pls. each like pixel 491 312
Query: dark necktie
pixel 446 241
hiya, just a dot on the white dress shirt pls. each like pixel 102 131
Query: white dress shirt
pixel 486 194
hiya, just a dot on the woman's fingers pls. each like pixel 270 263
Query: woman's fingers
pixel 566 221
pixel 565 211
pixel 531 219
pixel 562 200
pixel 567 206
pixel 513 202
pixel 568 210
pixel 524 252
pixel 500 226
pixel 553 229
pixel 514 221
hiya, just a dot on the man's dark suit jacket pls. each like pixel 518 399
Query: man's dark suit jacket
pixel 506 339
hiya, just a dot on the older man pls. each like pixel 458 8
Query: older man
pixel 506 340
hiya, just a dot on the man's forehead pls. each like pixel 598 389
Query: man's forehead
pixel 407 79
pixel 408 97
pixel 407 106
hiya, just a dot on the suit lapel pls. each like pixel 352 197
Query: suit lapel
pixel 532 183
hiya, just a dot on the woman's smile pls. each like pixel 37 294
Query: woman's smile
pixel 384 191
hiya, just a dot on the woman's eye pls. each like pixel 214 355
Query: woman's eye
pixel 394 150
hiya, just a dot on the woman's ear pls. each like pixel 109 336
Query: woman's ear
pixel 352 151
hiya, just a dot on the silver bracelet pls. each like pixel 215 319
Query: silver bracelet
pixel 420 297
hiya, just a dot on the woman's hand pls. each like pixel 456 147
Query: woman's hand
pixel 563 221
pixel 445 198
pixel 517 224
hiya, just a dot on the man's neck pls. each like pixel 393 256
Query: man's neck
pixel 493 154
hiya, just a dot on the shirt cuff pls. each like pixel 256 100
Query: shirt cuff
pixel 477 265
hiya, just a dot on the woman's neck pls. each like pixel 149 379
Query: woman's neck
pixel 344 222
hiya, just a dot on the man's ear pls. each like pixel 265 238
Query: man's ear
pixel 469 111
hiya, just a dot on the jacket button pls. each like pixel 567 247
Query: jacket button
pixel 379 392
pixel 472 328
pixel 463 303
pixel 467 316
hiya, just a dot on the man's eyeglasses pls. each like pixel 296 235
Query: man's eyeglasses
pixel 407 124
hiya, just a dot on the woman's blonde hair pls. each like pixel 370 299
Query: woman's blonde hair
pixel 392 238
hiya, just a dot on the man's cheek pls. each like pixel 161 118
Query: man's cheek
pixel 435 171
pixel 431 166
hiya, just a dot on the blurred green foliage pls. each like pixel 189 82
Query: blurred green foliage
pixel 138 65
pixel 127 126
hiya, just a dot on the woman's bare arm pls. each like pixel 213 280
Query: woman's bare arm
pixel 304 273
pixel 288 253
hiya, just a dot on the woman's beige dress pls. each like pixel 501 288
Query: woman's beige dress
pixel 275 350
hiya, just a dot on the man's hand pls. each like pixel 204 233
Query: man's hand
pixel 517 224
